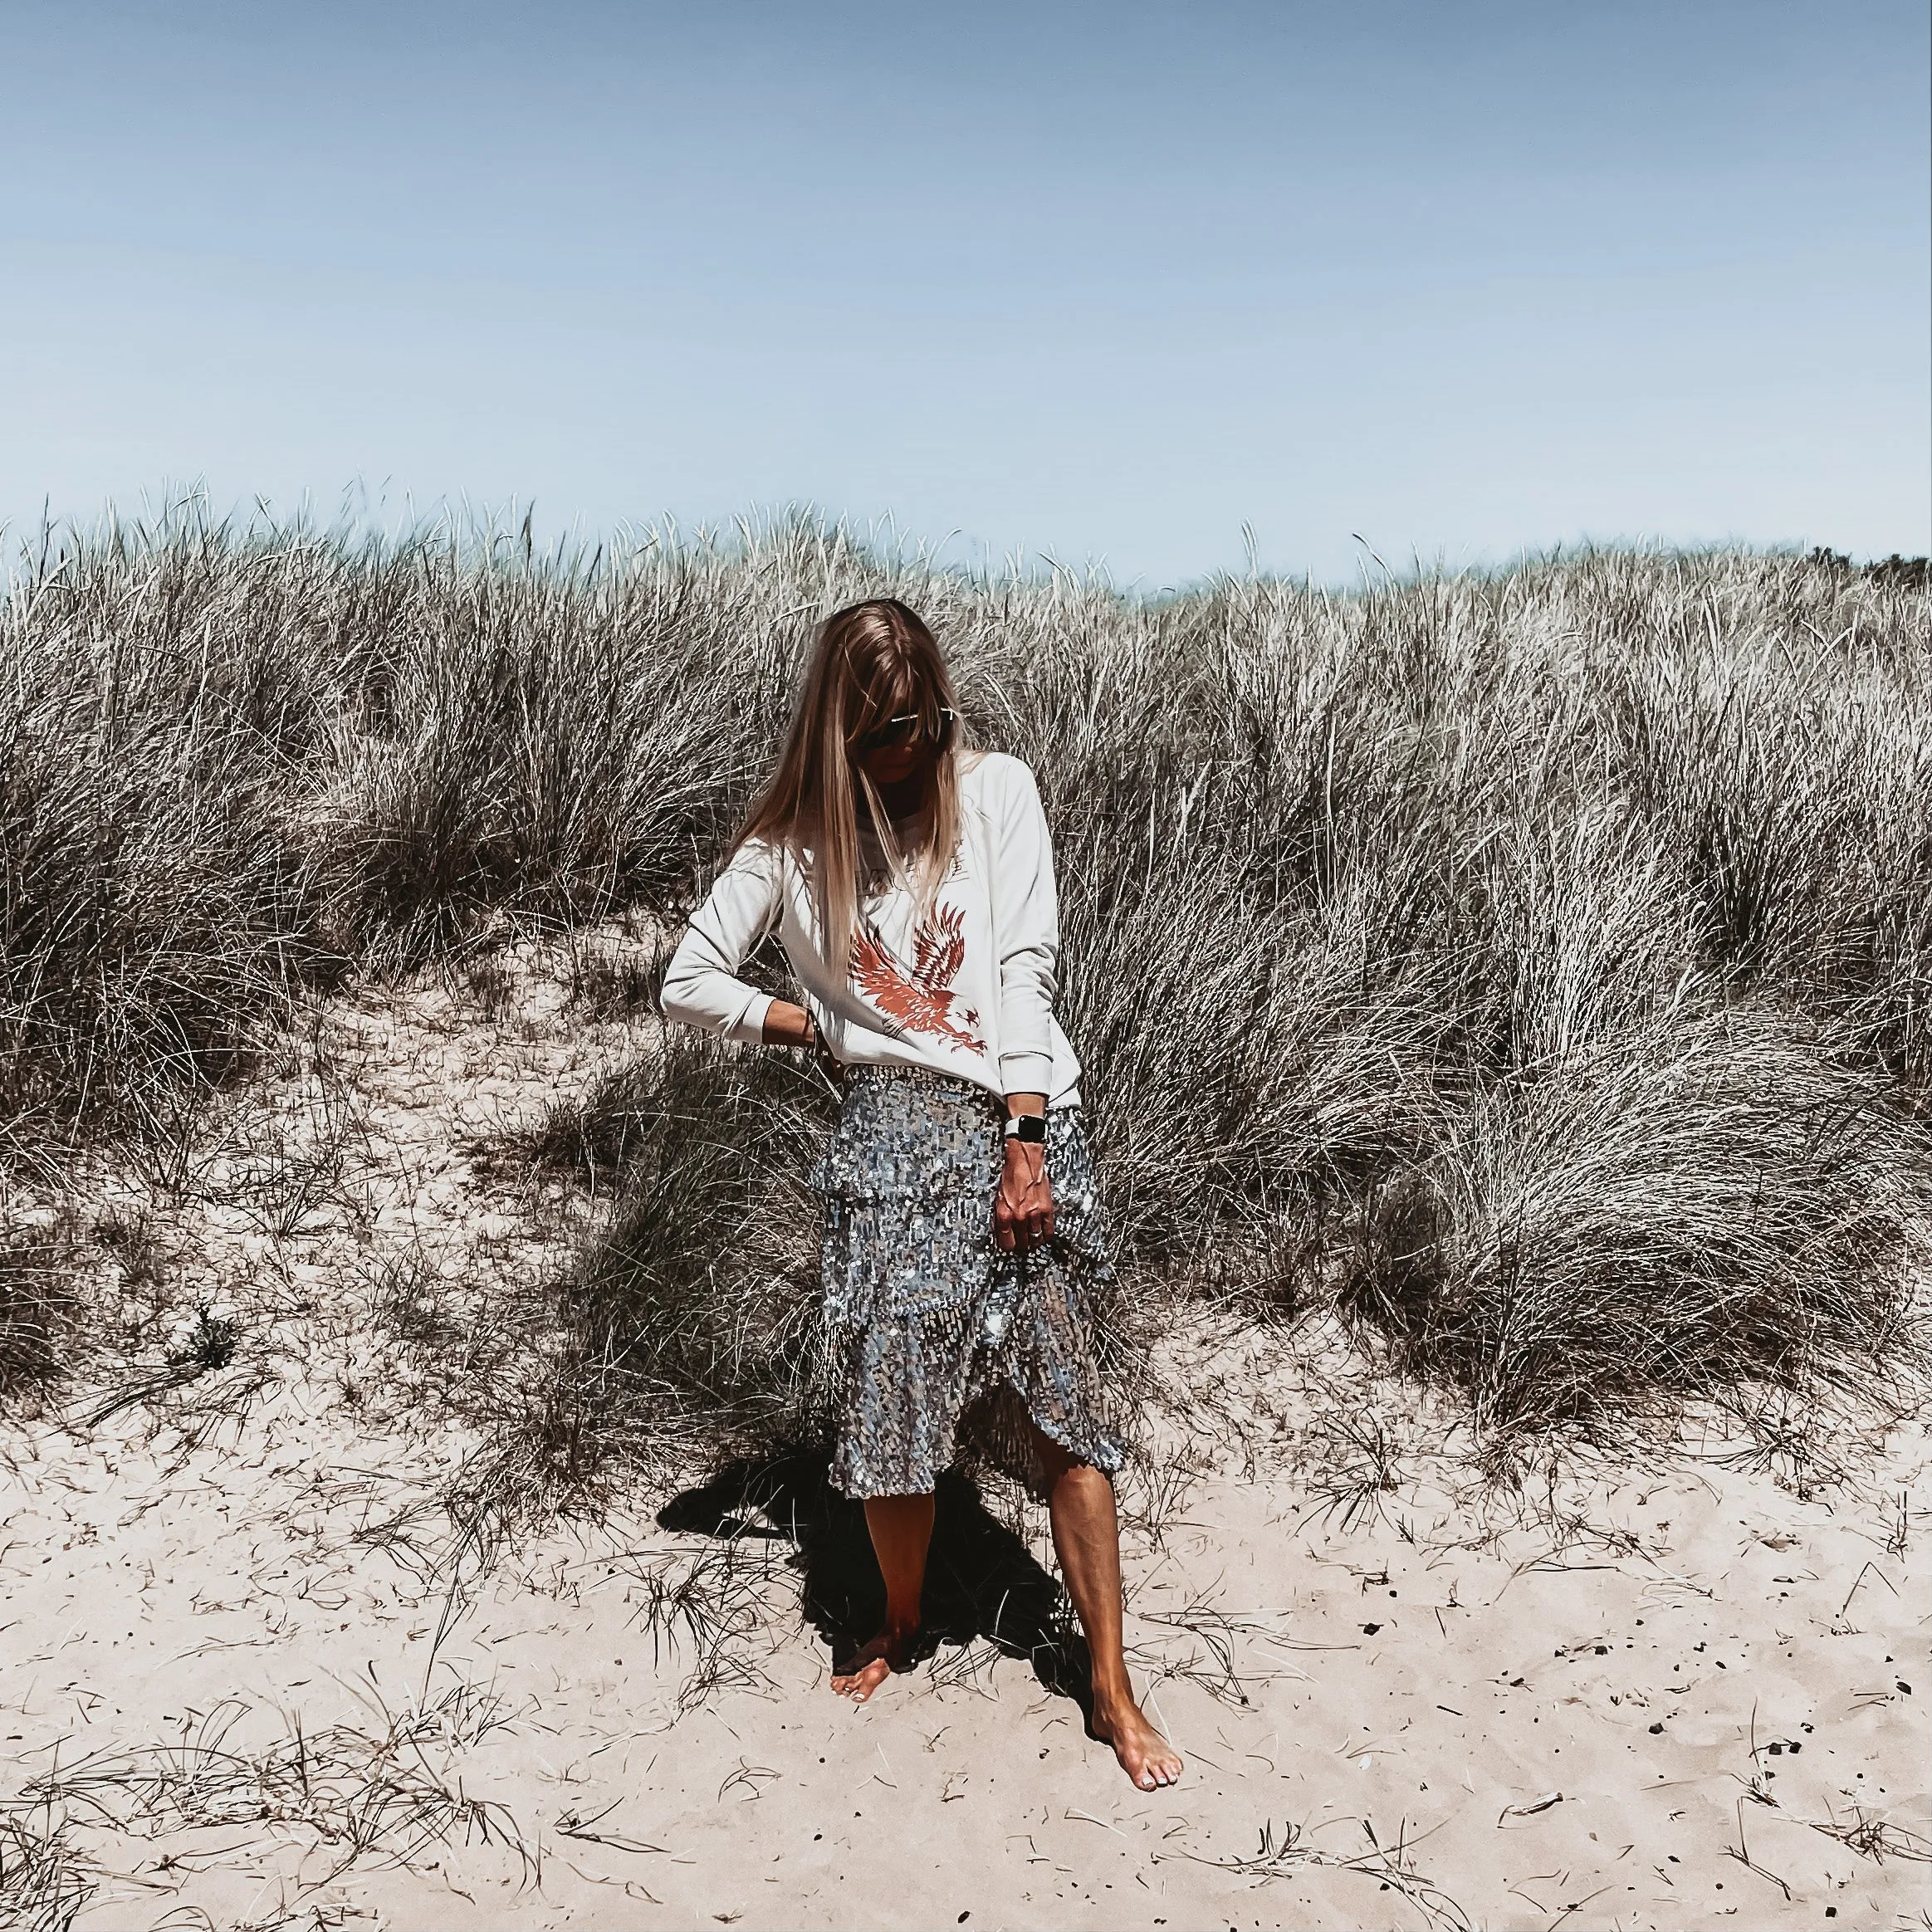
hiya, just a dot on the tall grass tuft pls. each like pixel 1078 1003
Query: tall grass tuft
pixel 702 1295
pixel 1537 962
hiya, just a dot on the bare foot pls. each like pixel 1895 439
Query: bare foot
pixel 872 1664
pixel 1144 1754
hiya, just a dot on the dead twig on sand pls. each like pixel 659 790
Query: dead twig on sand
pixel 1875 1838
pixel 1360 1470
pixel 368 1795
pixel 1742 1850
pixel 1393 1865
pixel 711 1599
pixel 43 1883
pixel 1215 1631
pixel 571 1826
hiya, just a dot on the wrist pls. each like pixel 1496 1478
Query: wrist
pixel 787 1024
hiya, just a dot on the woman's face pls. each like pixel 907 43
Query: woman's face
pixel 899 764
pixel 895 764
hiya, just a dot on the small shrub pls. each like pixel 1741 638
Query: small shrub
pixel 704 1293
pixel 1675 1210
pixel 40 1302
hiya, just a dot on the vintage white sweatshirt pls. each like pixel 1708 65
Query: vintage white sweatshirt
pixel 970 993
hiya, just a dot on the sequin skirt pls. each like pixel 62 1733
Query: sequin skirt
pixel 938 1338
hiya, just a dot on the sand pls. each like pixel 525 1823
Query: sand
pixel 236 1690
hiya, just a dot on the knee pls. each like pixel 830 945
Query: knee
pixel 1069 1476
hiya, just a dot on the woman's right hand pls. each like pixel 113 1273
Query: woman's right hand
pixel 1023 1211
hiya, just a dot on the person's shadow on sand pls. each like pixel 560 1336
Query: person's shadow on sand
pixel 982 1580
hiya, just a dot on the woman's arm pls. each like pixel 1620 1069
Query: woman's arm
pixel 1026 935
pixel 701 987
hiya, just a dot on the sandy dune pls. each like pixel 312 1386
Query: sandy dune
pixel 234 1690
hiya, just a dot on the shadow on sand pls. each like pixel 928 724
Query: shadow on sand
pixel 982 1580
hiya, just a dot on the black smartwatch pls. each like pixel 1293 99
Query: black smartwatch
pixel 1026 1127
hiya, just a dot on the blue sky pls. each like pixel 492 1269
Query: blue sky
pixel 1106 282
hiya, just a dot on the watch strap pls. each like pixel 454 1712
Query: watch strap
pixel 1026 1127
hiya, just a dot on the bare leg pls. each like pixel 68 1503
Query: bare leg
pixel 901 1529
pixel 1087 1537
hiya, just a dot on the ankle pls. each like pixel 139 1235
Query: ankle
pixel 1114 1694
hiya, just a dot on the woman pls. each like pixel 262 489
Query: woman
pixel 961 1225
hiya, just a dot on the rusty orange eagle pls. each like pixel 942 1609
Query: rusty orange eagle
pixel 922 1000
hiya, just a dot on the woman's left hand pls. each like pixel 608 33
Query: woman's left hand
pixel 1023 1216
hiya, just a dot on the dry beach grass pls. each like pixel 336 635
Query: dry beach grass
pixel 1544 956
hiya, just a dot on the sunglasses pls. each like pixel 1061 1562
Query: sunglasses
pixel 903 730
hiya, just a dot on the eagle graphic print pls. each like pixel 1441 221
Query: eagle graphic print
pixel 920 1000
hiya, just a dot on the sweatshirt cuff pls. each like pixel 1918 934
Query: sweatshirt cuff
pixel 748 1029
pixel 1026 1074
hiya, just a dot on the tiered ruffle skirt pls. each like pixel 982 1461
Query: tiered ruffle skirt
pixel 939 1338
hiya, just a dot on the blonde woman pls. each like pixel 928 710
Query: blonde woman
pixel 911 878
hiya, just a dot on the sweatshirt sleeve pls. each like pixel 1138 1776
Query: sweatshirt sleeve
pixel 701 987
pixel 1026 933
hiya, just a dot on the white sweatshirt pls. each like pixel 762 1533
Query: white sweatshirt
pixel 971 994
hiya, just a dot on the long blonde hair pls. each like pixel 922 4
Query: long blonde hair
pixel 873 661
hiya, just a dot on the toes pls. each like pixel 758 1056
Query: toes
pixel 861 1684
